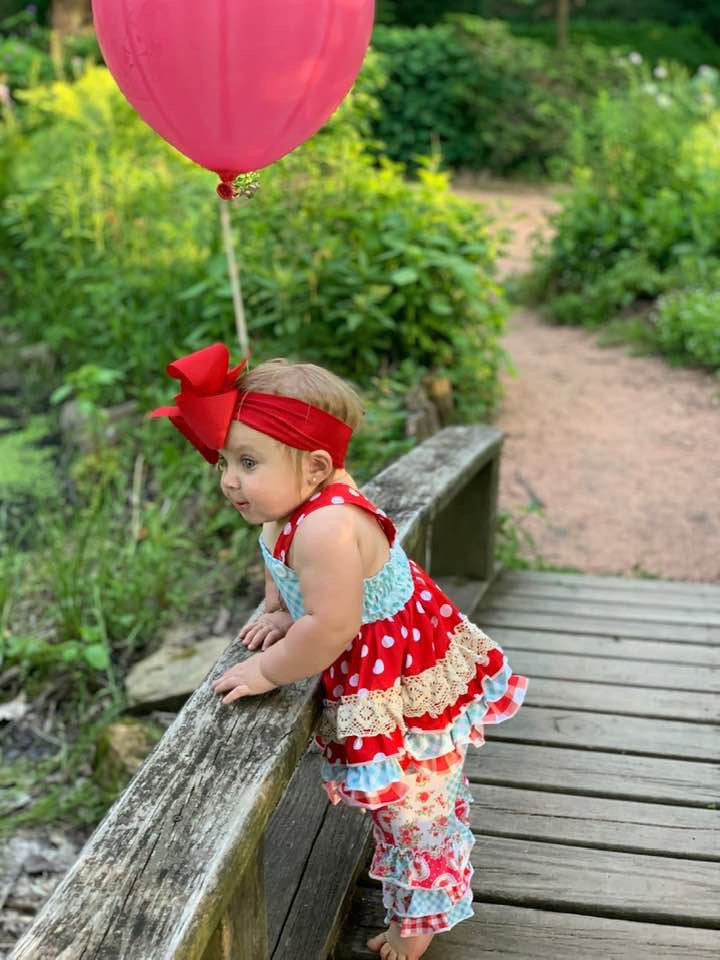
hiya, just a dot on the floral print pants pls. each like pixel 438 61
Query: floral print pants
pixel 422 854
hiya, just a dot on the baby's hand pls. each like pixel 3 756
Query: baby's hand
pixel 243 680
pixel 266 630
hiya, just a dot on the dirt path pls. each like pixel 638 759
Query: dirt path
pixel 621 452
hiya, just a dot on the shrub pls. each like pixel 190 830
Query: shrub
pixel 111 250
pixel 641 218
pixel 488 99
pixel 688 326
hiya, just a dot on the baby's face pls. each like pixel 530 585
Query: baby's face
pixel 259 476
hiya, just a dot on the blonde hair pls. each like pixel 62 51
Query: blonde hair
pixel 307 382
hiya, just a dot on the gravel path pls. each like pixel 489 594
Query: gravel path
pixel 621 452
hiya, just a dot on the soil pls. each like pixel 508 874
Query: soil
pixel 621 452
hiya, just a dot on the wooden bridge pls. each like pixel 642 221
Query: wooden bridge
pixel 595 808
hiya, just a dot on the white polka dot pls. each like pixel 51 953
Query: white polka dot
pixel 419 607
pixel 363 692
pixel 287 528
pixel 337 500
pixel 364 650
pixel 378 666
pixel 354 680
pixel 338 691
pixel 354 493
pixel 426 595
pixel 357 743
pixel 388 642
pixel 282 556
pixel 403 631
pixel 299 519
pixel 315 496
pixel 416 634
pixel 332 672
pixel 445 610
pixel 380 756
pixel 434 621
pixel 348 648
pixel 397 682
pixel 344 666
pixel 382 513
pixel 408 661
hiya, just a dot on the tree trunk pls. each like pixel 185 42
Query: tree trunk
pixel 71 16
pixel 563 16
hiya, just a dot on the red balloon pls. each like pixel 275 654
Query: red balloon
pixel 234 84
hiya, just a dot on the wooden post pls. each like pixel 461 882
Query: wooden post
pixel 242 933
pixel 463 534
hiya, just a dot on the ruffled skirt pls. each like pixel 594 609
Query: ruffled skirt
pixel 424 722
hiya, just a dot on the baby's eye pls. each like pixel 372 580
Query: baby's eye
pixel 247 462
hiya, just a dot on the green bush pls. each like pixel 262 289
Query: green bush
pixel 688 326
pixel 641 219
pixel 685 43
pixel 112 254
pixel 487 99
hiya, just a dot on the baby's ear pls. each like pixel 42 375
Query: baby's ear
pixel 320 465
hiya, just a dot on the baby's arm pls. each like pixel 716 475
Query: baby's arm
pixel 328 562
pixel 273 600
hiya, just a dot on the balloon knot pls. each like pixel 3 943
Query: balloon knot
pixel 226 191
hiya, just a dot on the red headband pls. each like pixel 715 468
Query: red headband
pixel 209 401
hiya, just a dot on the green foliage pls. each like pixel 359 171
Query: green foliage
pixel 26 464
pixel 456 86
pixel 641 220
pixel 116 269
pixel 686 43
pixel 688 326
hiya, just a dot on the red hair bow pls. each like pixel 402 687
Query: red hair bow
pixel 207 399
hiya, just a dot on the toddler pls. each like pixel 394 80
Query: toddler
pixel 407 680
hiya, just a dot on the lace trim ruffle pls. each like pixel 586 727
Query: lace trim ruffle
pixel 431 692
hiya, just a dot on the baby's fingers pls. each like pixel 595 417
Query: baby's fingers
pixel 272 637
pixel 237 693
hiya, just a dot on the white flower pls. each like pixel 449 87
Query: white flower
pixel 663 100
pixel 660 72
pixel 635 58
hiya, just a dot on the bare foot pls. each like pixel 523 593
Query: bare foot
pixel 391 946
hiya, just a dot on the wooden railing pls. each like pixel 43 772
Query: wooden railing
pixel 175 870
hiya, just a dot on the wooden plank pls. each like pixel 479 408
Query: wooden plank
pixel 289 839
pixel 624 825
pixel 631 701
pixel 661 600
pixel 601 731
pixel 323 897
pixel 697 614
pixel 621 648
pixel 499 932
pixel 594 773
pixel 635 673
pixel 628 886
pixel 678 588
pixel 489 617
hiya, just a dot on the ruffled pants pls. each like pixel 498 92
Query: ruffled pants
pixel 422 853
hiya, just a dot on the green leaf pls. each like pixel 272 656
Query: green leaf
pixel 97 656
pixel 404 276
